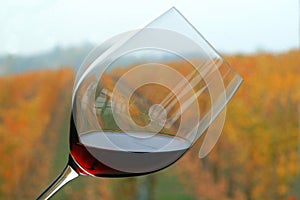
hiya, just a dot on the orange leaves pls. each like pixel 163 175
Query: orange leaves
pixel 262 119
pixel 256 158
pixel 27 102
pixel 258 153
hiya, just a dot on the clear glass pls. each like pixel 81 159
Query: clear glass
pixel 142 98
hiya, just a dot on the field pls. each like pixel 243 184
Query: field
pixel 257 156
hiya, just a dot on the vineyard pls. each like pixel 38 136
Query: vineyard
pixel 257 156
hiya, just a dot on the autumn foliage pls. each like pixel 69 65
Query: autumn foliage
pixel 257 156
pixel 29 103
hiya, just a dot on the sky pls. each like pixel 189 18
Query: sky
pixel 231 26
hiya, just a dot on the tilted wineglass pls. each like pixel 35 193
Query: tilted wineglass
pixel 142 98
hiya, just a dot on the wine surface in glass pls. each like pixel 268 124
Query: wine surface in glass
pixel 118 154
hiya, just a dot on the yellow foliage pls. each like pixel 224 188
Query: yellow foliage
pixel 258 154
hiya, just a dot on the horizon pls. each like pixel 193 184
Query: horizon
pixel 83 45
pixel 73 56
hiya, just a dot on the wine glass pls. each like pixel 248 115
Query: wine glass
pixel 142 98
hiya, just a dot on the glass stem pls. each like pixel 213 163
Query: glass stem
pixel 67 175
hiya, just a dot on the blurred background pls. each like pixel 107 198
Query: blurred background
pixel 42 44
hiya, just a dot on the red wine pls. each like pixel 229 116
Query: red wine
pixel 117 154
